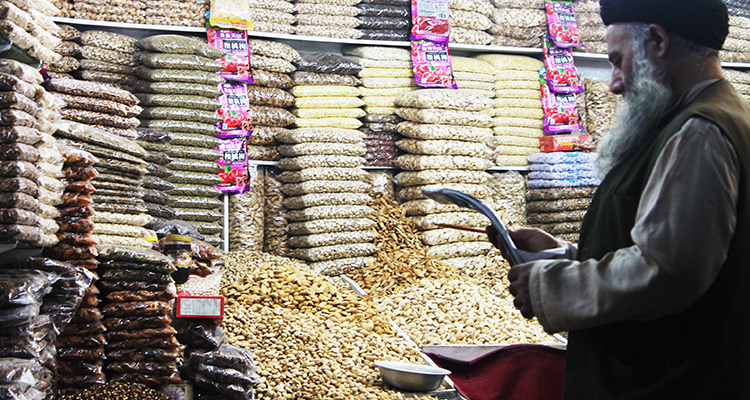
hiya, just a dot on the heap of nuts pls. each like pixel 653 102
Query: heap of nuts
pixel 310 339
pixel 401 259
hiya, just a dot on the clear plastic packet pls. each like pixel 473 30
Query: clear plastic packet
pixel 176 100
pixel 383 10
pixel 562 23
pixel 435 71
pixel 16 35
pixel 560 109
pixel 89 354
pixel 226 356
pixel 110 56
pixel 128 324
pixel 92 89
pixel 109 40
pixel 430 21
pixel 178 61
pixel 181 126
pixel 156 183
pixel 159 355
pixel 186 164
pixel 180 88
pixel 80 367
pixel 562 74
pixel 272 49
pixel 311 78
pixel 98 65
pixel 179 44
pixel 157 343
pixel 230 14
pixel 18 200
pixel 327 63
pixel 136 309
pixel 200 334
pixel 98 118
pixel 22 185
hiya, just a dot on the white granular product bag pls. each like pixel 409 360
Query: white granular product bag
pixel 515 150
pixel 388 82
pixel 378 52
pixel 330 135
pixel 517 112
pixel 519 122
pixel 390 92
pixel 386 73
pixel 372 63
pixel 505 85
pixel 415 192
pixel 519 94
pixel 511 62
pixel 511 161
pixel 518 103
pixel 474 76
pixel 518 131
pixel 428 206
pixel 516 75
pixel 324 91
pixel 343 123
pixel 329 102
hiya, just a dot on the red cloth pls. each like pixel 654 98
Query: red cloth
pixel 517 372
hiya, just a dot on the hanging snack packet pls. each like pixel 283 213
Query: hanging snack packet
pixel 432 65
pixel 235 107
pixel 562 74
pixel 560 109
pixel 234 173
pixel 231 14
pixel 237 60
pixel 562 23
pixel 429 20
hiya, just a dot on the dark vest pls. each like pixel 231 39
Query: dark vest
pixel 702 352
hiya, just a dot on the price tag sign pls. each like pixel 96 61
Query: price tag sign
pixel 199 307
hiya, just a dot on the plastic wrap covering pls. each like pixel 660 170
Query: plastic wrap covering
pixel 179 61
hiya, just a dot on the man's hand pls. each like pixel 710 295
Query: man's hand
pixel 518 276
pixel 531 240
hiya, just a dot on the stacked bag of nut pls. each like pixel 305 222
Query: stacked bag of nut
pixel 518 23
pixel 555 173
pixel 227 370
pixel 156 189
pixel 137 286
pixel 591 28
pixel 518 114
pixel 30 163
pixel 330 18
pixel 69 49
pixel 386 73
pixel 385 19
pixel 175 12
pixel 178 91
pixel 737 44
pixel 326 194
pixel 117 199
pixel 107 58
pixel 28 337
pixel 600 104
pixel 474 74
pixel 470 21
pixel 28 26
pixel 99 105
pixel 132 12
pixel 445 132
pixel 268 96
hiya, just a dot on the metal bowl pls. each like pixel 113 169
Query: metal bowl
pixel 411 377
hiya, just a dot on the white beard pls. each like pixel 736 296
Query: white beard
pixel 646 100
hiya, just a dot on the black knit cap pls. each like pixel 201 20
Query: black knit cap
pixel 704 22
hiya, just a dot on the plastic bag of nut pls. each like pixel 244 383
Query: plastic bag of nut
pixel 276 238
pixel 447 117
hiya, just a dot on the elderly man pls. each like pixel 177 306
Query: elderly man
pixel 656 297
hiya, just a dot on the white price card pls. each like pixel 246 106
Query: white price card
pixel 200 306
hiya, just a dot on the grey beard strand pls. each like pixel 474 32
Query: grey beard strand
pixel 646 101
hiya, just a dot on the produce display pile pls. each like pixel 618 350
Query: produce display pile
pixel 517 23
pixel 599 105
pixel 470 21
